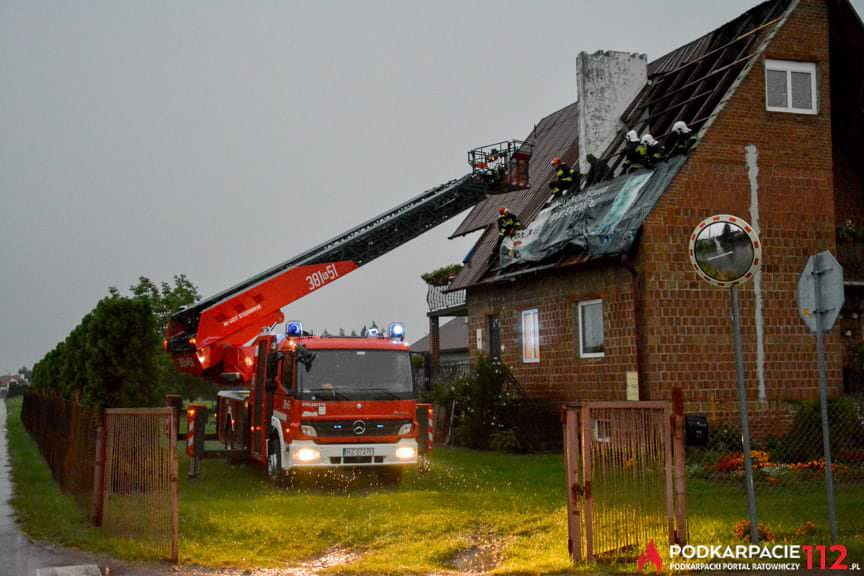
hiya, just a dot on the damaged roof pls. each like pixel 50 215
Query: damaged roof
pixel 555 135
pixel 690 83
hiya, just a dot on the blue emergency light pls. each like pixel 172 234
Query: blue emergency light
pixel 294 328
pixel 396 330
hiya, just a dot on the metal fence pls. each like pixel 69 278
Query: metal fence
pixel 65 433
pixel 138 477
pixel 621 477
pixel 120 465
pixel 438 300
pixel 789 479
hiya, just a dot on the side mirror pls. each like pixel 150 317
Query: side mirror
pixel 272 368
pixel 287 377
pixel 273 364
pixel 305 357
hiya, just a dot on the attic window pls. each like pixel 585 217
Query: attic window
pixel 790 87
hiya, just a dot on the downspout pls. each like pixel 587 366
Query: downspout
pixel 635 294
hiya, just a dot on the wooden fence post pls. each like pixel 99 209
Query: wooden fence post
pixel 680 466
pixel 570 419
pixel 99 475
pixel 587 438
pixel 175 489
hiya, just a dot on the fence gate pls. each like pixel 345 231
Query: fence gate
pixel 622 478
pixel 137 491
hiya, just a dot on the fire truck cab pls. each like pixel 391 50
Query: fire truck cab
pixel 319 402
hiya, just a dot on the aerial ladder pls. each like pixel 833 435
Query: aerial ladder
pixel 207 339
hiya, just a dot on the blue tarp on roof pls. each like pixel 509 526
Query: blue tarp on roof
pixel 603 220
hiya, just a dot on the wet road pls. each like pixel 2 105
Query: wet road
pixel 21 557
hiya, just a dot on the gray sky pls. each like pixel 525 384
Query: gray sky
pixel 217 138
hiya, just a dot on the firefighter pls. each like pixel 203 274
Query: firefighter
pixel 565 179
pixel 508 223
pixel 632 159
pixel 653 150
pixel 680 140
pixel 598 171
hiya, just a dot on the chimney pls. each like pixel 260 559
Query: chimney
pixel 606 82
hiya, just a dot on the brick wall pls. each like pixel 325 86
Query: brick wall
pixel 686 330
pixel 561 374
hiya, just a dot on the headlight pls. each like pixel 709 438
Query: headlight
pixel 307 455
pixel 405 429
pixel 406 452
pixel 308 430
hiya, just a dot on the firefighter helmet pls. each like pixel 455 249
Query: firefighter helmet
pixel 680 127
pixel 632 136
pixel 502 211
pixel 648 140
pixel 556 161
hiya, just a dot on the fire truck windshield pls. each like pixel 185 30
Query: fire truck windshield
pixel 357 374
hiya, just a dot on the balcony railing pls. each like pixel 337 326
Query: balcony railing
pixel 440 301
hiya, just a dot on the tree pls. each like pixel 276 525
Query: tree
pixel 120 351
pixel 113 357
pixel 166 300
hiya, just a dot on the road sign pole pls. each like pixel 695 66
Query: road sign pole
pixel 745 425
pixel 820 310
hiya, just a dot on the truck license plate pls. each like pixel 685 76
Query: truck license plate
pixel 348 452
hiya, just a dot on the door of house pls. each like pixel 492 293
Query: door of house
pixel 495 337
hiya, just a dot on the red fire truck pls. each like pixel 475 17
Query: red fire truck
pixel 328 402
pixel 295 400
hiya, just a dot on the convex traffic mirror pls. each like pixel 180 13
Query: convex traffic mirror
pixel 725 250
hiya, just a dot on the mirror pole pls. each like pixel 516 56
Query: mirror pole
pixel 745 426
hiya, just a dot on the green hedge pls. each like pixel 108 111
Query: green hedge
pixel 109 359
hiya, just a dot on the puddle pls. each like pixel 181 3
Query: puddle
pixel 335 557
pixel 481 557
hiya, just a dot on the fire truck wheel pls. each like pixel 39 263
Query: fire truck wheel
pixel 274 459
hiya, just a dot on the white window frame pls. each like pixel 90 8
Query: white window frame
pixel 533 317
pixel 580 306
pixel 603 430
pixel 788 67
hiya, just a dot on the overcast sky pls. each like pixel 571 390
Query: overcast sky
pixel 218 138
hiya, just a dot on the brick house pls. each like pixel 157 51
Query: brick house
pixel 776 99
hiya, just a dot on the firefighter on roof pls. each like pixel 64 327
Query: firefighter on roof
pixel 598 171
pixel 508 223
pixel 632 158
pixel 653 150
pixel 565 179
pixel 680 140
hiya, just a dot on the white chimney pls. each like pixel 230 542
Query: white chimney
pixel 607 82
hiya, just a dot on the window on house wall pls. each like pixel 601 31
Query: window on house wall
pixel 590 319
pixel 530 336
pixel 790 87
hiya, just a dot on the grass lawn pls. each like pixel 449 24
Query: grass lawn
pixel 513 505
